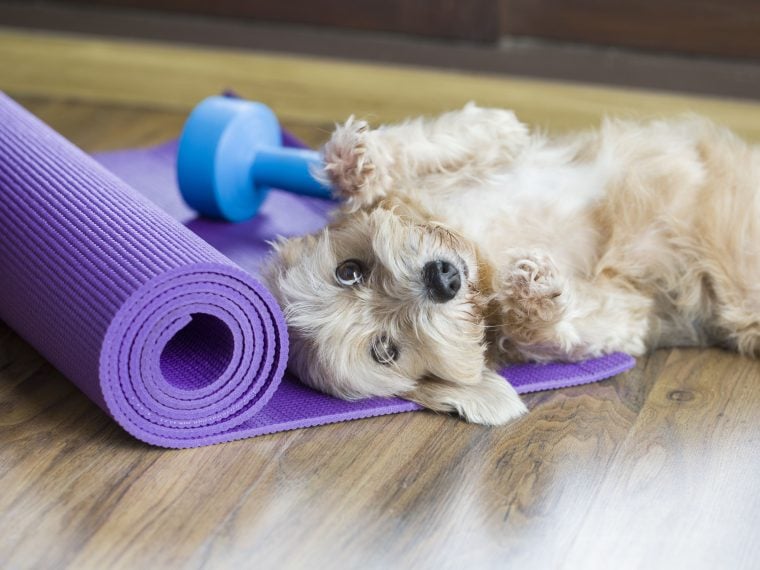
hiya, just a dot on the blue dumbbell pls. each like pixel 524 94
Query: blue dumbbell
pixel 230 154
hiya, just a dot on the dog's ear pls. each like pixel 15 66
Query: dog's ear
pixel 288 250
pixel 405 208
pixel 492 401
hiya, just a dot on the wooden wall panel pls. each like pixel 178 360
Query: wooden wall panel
pixel 714 27
pixel 718 27
pixel 475 20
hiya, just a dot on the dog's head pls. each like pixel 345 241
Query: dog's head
pixel 383 302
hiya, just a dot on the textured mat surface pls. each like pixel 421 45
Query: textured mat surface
pixel 162 323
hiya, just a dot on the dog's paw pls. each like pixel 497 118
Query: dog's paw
pixel 354 164
pixel 507 136
pixel 532 296
pixel 491 401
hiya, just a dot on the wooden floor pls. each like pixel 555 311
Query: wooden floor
pixel 656 468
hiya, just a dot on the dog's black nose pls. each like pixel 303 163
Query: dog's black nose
pixel 442 280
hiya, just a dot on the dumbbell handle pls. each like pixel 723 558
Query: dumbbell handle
pixel 293 169
pixel 230 155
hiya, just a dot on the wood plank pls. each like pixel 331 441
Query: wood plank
pixel 473 20
pixel 155 75
pixel 689 462
pixel 725 28
pixel 127 127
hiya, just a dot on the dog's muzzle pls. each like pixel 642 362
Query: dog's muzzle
pixel 442 280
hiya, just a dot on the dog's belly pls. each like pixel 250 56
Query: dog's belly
pixel 533 205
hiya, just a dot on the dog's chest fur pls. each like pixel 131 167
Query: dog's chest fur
pixel 544 200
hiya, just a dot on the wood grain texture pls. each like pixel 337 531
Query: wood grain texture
pixel 656 468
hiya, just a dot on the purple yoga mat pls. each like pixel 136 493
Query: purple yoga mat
pixel 163 325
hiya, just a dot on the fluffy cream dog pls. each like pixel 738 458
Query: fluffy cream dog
pixel 466 242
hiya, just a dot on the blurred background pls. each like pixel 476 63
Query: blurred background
pixel 710 47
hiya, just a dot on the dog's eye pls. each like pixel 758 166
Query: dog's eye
pixel 350 272
pixel 384 351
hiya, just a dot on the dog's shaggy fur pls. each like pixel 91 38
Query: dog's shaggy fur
pixel 628 238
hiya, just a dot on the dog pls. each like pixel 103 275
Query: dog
pixel 466 241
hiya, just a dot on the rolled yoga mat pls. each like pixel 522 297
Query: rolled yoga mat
pixel 165 328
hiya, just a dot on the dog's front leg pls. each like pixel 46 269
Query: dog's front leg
pixel 546 316
pixel 491 401
pixel 364 164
